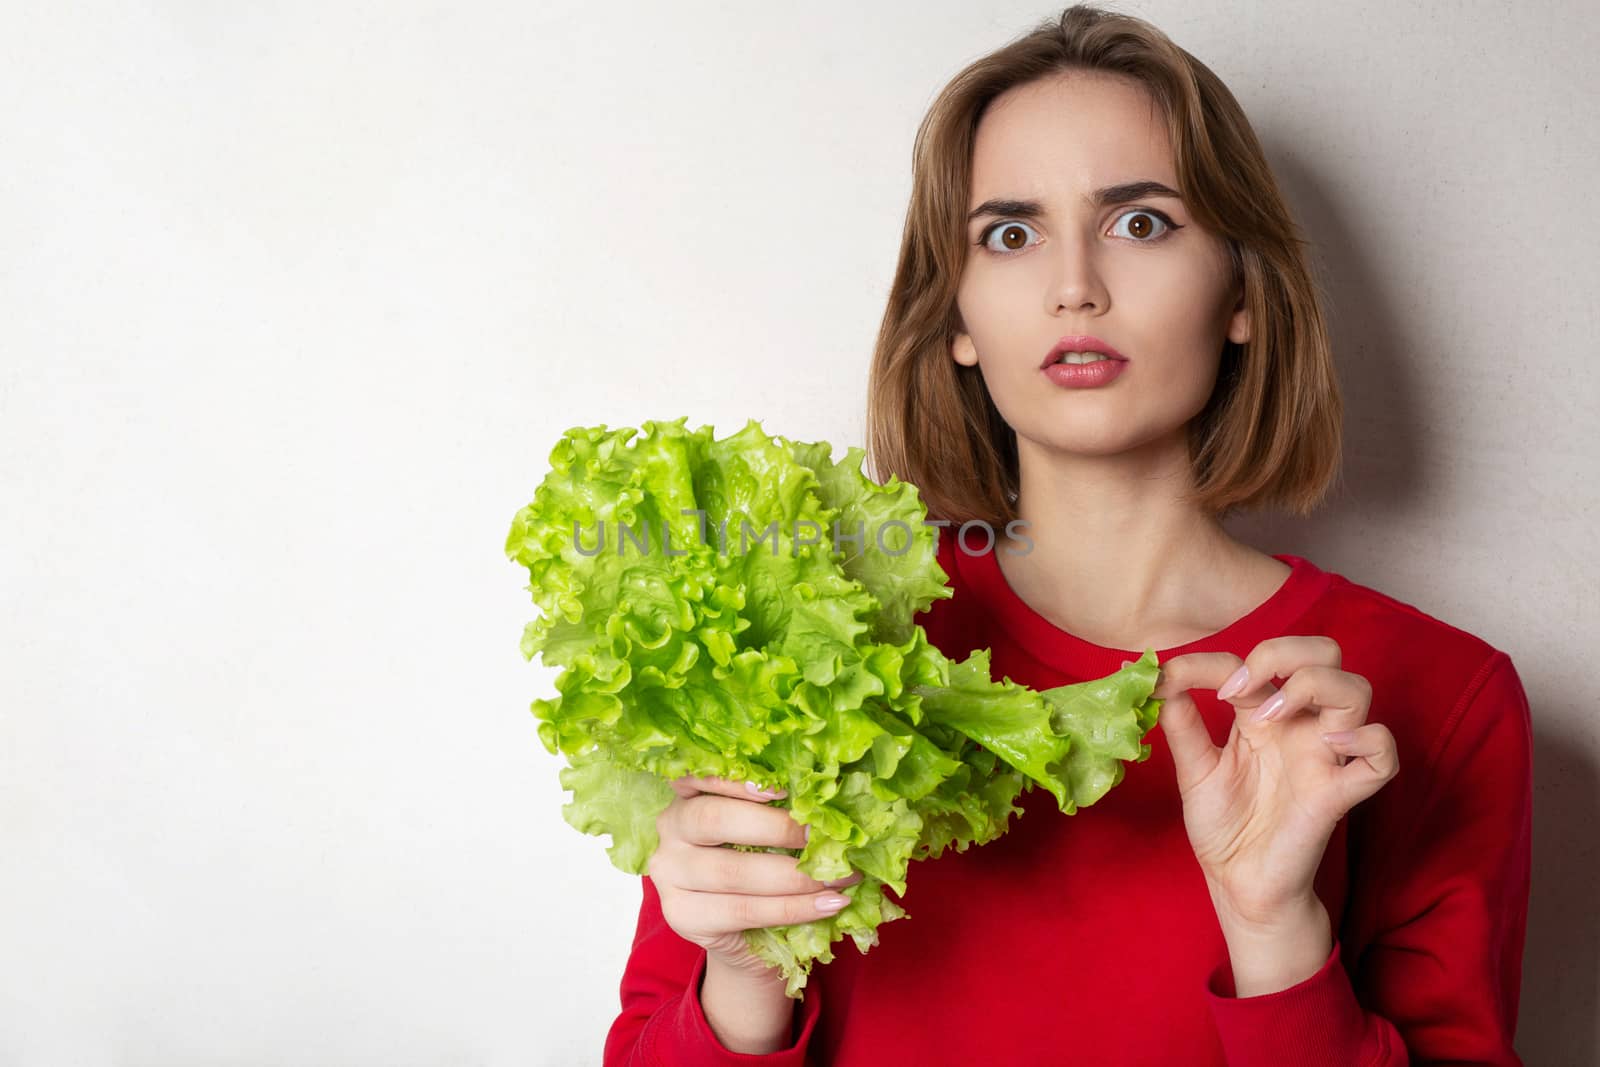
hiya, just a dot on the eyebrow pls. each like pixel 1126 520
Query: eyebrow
pixel 1111 194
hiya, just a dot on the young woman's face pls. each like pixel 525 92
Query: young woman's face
pixel 1139 274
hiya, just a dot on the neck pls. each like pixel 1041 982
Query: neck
pixel 1121 557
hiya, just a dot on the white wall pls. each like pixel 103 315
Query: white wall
pixel 293 304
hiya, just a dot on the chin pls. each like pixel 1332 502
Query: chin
pixel 1086 444
pixel 1101 442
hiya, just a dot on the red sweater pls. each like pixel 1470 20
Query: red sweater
pixel 1091 938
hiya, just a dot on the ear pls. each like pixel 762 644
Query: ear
pixel 963 351
pixel 1239 321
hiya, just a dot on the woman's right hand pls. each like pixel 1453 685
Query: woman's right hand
pixel 710 895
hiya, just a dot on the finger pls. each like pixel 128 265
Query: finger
pixel 1279 657
pixel 1375 760
pixel 720 820
pixel 724 870
pixel 1340 699
pixel 1193 754
pixel 689 786
pixel 722 913
pixel 1220 671
pixel 1197 670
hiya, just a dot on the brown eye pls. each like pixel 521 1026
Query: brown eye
pixel 1013 237
pixel 1142 226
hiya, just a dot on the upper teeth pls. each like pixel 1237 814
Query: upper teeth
pixel 1082 357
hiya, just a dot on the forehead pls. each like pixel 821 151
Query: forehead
pixel 1069 133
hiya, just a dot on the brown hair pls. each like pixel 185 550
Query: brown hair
pixel 1269 435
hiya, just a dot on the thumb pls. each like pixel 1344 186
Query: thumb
pixel 1185 730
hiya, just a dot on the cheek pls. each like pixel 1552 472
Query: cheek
pixel 1179 315
pixel 987 311
pixel 1007 308
pixel 985 291
pixel 1177 292
pixel 1193 380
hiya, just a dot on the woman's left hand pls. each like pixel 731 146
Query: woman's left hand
pixel 1260 809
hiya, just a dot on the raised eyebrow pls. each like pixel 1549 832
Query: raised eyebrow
pixel 1123 193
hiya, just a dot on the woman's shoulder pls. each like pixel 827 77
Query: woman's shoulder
pixel 1365 605
pixel 1381 632
pixel 1454 702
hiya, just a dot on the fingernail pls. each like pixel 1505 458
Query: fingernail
pixel 808 833
pixel 1269 709
pixel 832 902
pixel 770 794
pixel 840 883
pixel 1235 683
pixel 1340 737
pixel 1126 664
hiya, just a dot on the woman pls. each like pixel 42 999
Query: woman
pixel 1102 333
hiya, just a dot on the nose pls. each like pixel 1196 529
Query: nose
pixel 1077 284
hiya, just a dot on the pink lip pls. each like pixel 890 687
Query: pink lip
pixel 1080 343
pixel 1085 375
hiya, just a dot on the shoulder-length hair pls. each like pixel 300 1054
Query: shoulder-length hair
pixel 1268 436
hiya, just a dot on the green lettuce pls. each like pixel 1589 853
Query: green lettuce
pixel 745 608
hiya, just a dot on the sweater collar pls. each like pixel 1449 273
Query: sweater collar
pixel 1055 647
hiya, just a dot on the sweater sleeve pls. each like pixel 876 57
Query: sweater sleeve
pixel 1437 977
pixel 662 1021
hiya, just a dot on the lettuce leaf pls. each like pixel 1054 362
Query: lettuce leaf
pixel 746 608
